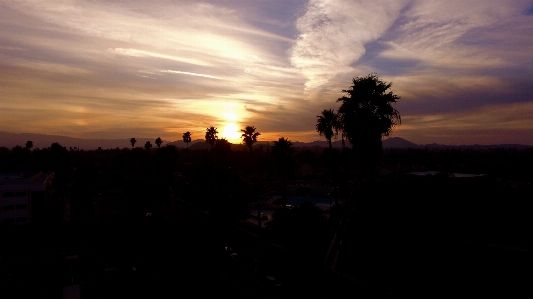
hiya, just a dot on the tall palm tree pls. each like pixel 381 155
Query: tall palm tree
pixel 158 142
pixel 328 125
pixel 249 137
pixel 367 115
pixel 211 136
pixel 133 141
pixel 366 110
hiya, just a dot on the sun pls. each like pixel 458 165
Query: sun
pixel 231 133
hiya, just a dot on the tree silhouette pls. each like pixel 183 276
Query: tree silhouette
pixel 249 137
pixel 211 136
pixel 133 141
pixel 59 157
pixel 147 145
pixel 29 144
pixel 367 116
pixel 282 151
pixel 158 142
pixel 223 146
pixel 328 125
pixel 187 138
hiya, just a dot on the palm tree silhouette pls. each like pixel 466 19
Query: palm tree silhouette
pixel 133 141
pixel 158 142
pixel 211 136
pixel 282 151
pixel 328 125
pixel 29 144
pixel 249 137
pixel 187 138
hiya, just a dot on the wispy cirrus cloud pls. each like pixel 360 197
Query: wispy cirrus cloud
pixel 141 53
pixel 189 73
pixel 333 35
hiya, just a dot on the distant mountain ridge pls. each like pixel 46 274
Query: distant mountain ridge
pixel 397 142
pixel 11 140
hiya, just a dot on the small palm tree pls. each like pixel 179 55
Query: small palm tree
pixel 158 142
pixel 187 138
pixel 148 145
pixel 249 136
pixel 211 136
pixel 29 144
pixel 328 125
pixel 133 141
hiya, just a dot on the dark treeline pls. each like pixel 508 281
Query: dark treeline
pixel 226 181
pixel 503 163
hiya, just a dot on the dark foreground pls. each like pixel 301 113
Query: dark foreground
pixel 155 260
pixel 441 242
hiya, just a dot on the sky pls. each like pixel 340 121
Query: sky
pixel 137 68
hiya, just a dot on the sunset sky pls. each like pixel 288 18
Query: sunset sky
pixel 121 69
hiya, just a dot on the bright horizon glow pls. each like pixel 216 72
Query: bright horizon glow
pixel 231 133
pixel 88 69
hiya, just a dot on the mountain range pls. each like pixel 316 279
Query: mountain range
pixel 10 140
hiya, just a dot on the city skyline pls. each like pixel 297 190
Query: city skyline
pixel 108 69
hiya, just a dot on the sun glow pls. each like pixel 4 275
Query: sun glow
pixel 231 133
pixel 229 115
